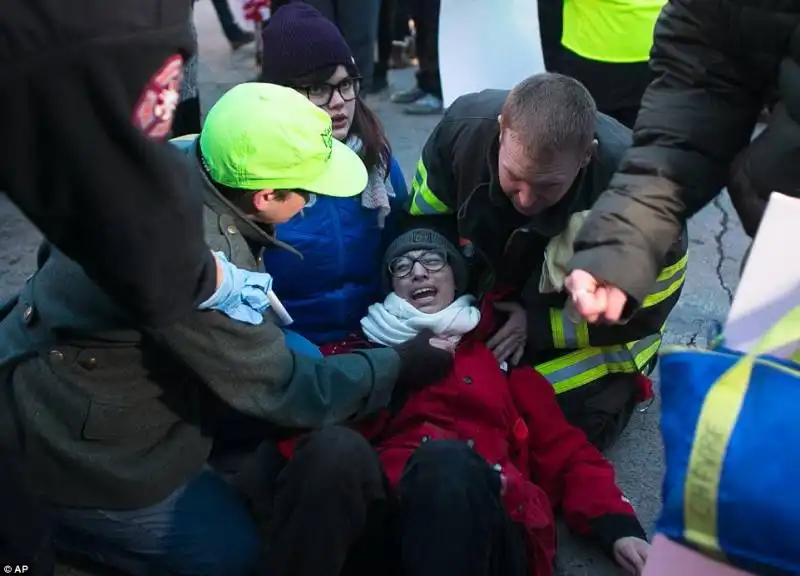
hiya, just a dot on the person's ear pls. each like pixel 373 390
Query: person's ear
pixel 589 154
pixel 262 199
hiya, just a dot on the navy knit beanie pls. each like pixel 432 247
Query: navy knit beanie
pixel 299 40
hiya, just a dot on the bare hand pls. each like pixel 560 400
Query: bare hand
pixel 593 300
pixel 508 343
pixel 443 344
pixel 631 553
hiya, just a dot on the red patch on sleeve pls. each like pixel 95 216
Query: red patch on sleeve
pixel 155 108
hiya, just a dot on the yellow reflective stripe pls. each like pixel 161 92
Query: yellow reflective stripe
pixel 715 426
pixel 584 366
pixel 423 201
pixel 557 328
pixel 568 334
pixel 668 282
pixel 711 438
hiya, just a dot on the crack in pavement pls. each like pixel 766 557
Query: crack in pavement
pixel 720 249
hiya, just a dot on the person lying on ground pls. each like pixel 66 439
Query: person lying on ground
pixel 116 429
pixel 479 460
pixel 342 239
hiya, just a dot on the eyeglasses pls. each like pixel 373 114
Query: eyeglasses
pixel 322 94
pixel 431 260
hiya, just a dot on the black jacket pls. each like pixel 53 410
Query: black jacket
pixel 456 191
pixel 76 165
pixel 716 63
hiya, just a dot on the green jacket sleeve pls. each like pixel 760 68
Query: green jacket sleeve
pixel 695 117
pixel 251 369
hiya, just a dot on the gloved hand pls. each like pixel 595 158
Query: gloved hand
pixel 242 295
pixel 424 360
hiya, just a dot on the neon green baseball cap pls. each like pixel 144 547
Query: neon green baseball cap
pixel 262 136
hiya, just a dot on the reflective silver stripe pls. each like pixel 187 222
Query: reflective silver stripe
pixel 576 335
pixel 581 367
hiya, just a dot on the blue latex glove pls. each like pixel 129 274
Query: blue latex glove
pixel 242 295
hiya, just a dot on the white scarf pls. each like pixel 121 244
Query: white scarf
pixel 395 321
pixel 379 190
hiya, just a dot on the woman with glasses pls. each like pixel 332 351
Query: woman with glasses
pixel 342 239
pixel 479 459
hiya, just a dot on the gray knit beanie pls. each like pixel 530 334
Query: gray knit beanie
pixel 425 239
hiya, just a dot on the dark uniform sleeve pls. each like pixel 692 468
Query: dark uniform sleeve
pixel 251 369
pixel 695 117
pixel 103 192
pixel 433 190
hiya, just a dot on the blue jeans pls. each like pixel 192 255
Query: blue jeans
pixel 201 529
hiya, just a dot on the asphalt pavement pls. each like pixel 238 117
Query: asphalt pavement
pixel 717 244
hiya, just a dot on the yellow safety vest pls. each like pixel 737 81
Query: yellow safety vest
pixel 615 31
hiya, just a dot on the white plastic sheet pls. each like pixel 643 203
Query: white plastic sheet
pixel 487 44
pixel 770 284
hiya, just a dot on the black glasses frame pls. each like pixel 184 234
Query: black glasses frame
pixel 419 259
pixel 332 88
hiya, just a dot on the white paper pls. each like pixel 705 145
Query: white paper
pixel 770 284
pixel 487 45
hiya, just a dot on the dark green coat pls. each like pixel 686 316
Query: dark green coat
pixel 110 415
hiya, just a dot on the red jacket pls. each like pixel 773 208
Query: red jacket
pixel 515 423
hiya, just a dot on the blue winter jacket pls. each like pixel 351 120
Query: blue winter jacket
pixel 328 291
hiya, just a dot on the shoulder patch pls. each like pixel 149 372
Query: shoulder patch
pixel 155 109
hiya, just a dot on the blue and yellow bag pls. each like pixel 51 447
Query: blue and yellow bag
pixel 731 429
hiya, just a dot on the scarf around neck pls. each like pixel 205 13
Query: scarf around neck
pixel 395 321
pixel 379 191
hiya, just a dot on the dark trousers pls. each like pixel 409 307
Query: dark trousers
pixel 358 21
pixel 332 511
pixel 334 515
pixel 385 39
pixel 617 88
pixel 25 523
pixel 451 519
pixel 226 20
pixel 551 26
pixel 602 409
pixel 426 19
pixel 392 27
